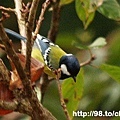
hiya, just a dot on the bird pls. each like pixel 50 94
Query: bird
pixel 53 56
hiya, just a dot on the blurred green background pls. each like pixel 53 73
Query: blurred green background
pixel 100 91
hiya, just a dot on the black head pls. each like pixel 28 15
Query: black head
pixel 69 65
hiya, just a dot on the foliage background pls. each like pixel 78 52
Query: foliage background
pixel 100 91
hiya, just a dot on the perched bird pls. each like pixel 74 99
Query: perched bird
pixel 53 56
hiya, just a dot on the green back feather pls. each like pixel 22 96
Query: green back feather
pixel 55 54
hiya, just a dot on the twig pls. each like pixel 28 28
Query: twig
pixel 30 26
pixel 25 10
pixel 41 16
pixel 21 23
pixel 88 62
pixel 7 9
pixel 4 16
pixel 61 98
pixel 2 47
pixel 52 34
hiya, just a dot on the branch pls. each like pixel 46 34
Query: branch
pixel 30 26
pixel 61 96
pixel 52 34
pixel 41 16
pixel 2 47
pixel 88 62
pixel 4 16
pixel 21 22
pixel 7 9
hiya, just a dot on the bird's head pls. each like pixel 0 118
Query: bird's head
pixel 69 66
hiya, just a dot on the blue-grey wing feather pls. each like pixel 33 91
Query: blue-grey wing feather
pixel 43 43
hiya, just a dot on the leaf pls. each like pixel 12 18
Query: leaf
pixel 110 9
pixel 99 42
pixel 79 45
pixel 85 11
pixel 113 71
pixel 64 2
pixel 72 92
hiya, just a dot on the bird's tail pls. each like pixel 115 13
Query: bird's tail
pixel 15 34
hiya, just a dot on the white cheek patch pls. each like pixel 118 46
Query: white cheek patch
pixel 64 69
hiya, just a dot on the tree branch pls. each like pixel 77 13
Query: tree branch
pixel 61 97
pixel 7 9
pixel 52 34
pixel 41 16
pixel 21 23
pixel 30 26
pixel 88 62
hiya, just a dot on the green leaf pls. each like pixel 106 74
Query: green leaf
pixel 110 9
pixel 85 10
pixel 72 92
pixel 64 2
pixel 113 71
pixel 79 45
pixel 99 42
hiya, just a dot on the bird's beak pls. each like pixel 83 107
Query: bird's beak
pixel 74 78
